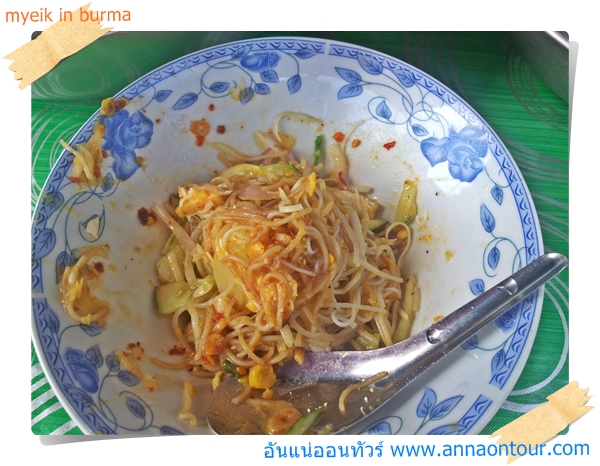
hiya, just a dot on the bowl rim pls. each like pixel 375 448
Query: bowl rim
pixel 535 322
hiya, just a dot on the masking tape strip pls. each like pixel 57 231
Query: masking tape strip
pixel 544 422
pixel 36 58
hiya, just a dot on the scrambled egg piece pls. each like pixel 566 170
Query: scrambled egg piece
pixel 192 200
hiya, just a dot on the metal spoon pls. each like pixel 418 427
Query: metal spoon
pixel 322 377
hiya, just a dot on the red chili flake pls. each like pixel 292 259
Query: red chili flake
pixel 157 121
pixel 147 218
pixel 220 129
pixel 339 137
pixel 99 267
pixel 97 171
pixel 217 317
pixel 389 145
pixel 200 128
pixel 104 154
pixel 176 350
pixel 150 389
pixel 75 179
pixel 211 107
pixel 341 178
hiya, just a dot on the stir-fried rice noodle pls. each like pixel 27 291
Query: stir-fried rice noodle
pixel 278 261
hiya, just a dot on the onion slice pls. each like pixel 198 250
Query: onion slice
pixel 253 193
pixel 180 234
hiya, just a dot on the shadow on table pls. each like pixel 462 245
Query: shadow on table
pixel 50 440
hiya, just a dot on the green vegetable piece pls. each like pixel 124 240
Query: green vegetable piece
pixel 174 200
pixel 254 171
pixel 306 424
pixel 376 224
pixel 295 168
pixel 222 274
pixel 406 210
pixel 369 342
pixel 318 145
pixel 229 367
pixel 172 296
pixel 244 169
pixel 202 286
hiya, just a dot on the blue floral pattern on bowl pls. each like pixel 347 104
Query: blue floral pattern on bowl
pixel 462 151
pixel 257 62
pixel 124 134
pixel 428 410
pixel 79 375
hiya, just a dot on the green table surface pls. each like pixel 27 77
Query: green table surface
pixel 484 68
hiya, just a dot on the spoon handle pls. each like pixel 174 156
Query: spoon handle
pixel 404 361
pixel 455 328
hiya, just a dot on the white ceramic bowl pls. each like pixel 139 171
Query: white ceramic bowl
pixel 476 223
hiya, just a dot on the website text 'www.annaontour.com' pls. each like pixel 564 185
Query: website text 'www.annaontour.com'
pixel 481 450
pixel 362 449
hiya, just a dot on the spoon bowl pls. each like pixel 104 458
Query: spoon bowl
pixel 244 419
pixel 352 384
